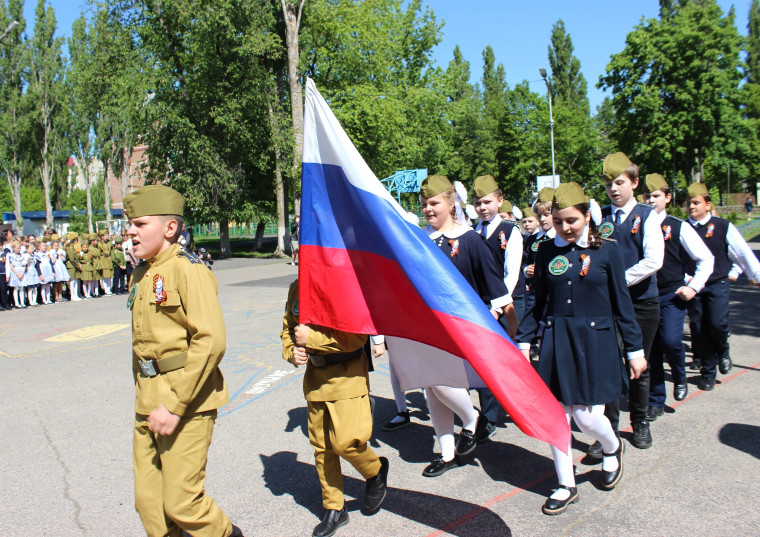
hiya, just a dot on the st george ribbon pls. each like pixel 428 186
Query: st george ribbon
pixel 365 269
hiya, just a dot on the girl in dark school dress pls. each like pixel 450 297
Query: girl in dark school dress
pixel 474 260
pixel 581 279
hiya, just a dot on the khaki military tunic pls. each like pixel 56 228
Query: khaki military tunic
pixel 106 265
pixel 339 415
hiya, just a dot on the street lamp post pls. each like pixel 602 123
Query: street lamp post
pixel 551 118
pixel 12 26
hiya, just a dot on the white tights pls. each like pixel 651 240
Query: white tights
pixel 443 402
pixel 398 394
pixel 31 294
pixel 18 296
pixel 105 283
pixel 591 421
pixel 45 292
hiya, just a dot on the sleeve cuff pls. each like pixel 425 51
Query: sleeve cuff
pixel 635 354
pixel 175 407
pixel 377 340
pixel 501 302
pixel 523 346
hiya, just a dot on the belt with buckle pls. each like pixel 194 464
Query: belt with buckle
pixel 323 360
pixel 153 367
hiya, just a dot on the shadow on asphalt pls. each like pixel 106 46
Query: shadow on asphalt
pixel 741 436
pixel 285 474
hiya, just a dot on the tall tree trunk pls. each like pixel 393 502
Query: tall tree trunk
pixel 292 16
pixel 282 203
pixel 225 252
pixel 107 192
pixel 259 237
pixel 16 190
pixel 89 205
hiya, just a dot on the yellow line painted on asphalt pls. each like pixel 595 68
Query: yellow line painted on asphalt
pixel 89 332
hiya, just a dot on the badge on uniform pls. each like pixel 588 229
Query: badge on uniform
pixel 606 229
pixel 710 231
pixel 131 297
pixel 503 240
pixel 534 246
pixel 666 232
pixel 158 289
pixel 585 264
pixel 454 247
pixel 558 265
pixel 636 225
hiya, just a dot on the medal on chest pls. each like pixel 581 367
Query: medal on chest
pixel 503 240
pixel 667 232
pixel 158 289
pixel 131 297
pixel 454 243
pixel 606 229
pixel 585 264
pixel 558 265
pixel 636 225
pixel 710 231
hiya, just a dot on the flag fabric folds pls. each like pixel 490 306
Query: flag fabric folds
pixel 365 269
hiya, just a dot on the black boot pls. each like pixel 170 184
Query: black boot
pixel 331 522
pixel 236 532
pixel 377 487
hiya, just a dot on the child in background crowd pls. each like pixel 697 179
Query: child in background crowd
pixel 45 272
pixel 14 272
pixel 31 277
pixel 61 274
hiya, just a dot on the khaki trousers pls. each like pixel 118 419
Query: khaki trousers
pixel 341 429
pixel 169 480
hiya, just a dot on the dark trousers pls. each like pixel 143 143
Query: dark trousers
pixel 668 345
pixel 4 302
pixel 708 313
pixel 489 405
pixel 648 318
pixel 119 280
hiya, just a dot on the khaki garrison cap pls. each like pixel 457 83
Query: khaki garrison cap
pixel 154 200
pixel 698 189
pixel 92 237
pixel 434 185
pixel 655 182
pixel 568 195
pixel 640 198
pixel 118 239
pixel 615 164
pixel 484 185
pixel 54 237
pixel 71 235
pixel 528 213
pixel 505 207
pixel 546 194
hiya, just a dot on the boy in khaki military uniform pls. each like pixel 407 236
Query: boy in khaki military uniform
pixel 336 387
pixel 178 341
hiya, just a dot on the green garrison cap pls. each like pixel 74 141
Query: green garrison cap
pixel 568 195
pixel 655 181
pixel 434 185
pixel 546 194
pixel 640 198
pixel 152 200
pixel 71 235
pixel 615 164
pixel 505 207
pixel 484 185
pixel 54 237
pixel 698 189
pixel 92 237
pixel 46 239
pixel 528 212
pixel 118 239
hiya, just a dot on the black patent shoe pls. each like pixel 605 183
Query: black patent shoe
pixel 394 425
pixel 695 365
pixel 706 384
pixel 725 365
pixel 654 412
pixel 595 451
pixel 331 522
pixel 555 507
pixel 439 466
pixel 377 487
pixel 236 532
pixel 468 440
pixel 680 391
pixel 610 479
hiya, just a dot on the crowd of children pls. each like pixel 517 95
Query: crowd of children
pixel 39 271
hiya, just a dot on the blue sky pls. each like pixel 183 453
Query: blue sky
pixel 518 31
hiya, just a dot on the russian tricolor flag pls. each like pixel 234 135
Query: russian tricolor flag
pixel 364 269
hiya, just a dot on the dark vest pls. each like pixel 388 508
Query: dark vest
pixel 714 234
pixel 670 276
pixel 630 238
pixel 498 244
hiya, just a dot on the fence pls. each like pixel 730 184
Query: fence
pixel 211 230
pixel 750 229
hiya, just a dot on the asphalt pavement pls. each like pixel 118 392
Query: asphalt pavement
pixel 66 458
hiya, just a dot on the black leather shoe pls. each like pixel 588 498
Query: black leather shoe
pixel 642 438
pixel 392 426
pixel 595 450
pixel 555 507
pixel 439 466
pixel 610 479
pixel 706 384
pixel 236 532
pixel 331 522
pixel 695 364
pixel 725 365
pixel 654 412
pixel 680 391
pixel 377 487
pixel 468 440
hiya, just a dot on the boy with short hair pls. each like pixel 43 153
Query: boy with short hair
pixel 708 311
pixel 529 221
pixel 641 244
pixel 178 341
